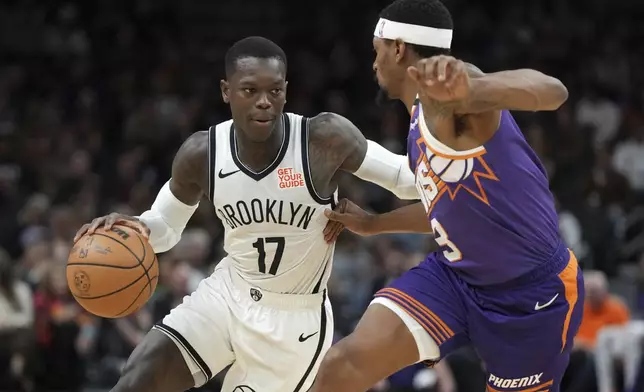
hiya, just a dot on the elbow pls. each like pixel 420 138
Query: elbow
pixel 557 94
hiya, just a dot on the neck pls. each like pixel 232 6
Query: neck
pixel 258 155
pixel 409 93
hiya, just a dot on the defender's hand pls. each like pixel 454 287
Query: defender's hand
pixel 352 217
pixel 333 228
pixel 110 220
pixel 442 78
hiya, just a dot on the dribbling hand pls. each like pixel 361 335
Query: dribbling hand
pixel 441 78
pixel 110 220
pixel 351 217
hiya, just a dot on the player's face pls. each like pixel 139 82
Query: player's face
pixel 386 68
pixel 256 93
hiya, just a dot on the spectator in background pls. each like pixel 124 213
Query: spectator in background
pixel 65 334
pixel 601 309
pixel 572 233
pixel 596 346
pixel 600 113
pixel 16 322
pixel 628 158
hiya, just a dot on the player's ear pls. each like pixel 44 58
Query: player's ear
pixel 400 49
pixel 225 90
pixel 285 89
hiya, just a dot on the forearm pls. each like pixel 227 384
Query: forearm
pixel 166 219
pixel 388 170
pixel 522 89
pixel 408 219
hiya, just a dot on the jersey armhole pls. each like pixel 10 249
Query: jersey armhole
pixel 307 168
pixel 211 163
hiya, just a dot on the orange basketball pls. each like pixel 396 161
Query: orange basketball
pixel 112 273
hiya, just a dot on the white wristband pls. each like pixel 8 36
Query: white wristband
pixel 389 170
pixel 166 219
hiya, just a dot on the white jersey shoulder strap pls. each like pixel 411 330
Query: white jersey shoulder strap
pixel 306 163
pixel 217 152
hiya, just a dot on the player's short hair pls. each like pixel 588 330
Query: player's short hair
pixel 428 13
pixel 258 47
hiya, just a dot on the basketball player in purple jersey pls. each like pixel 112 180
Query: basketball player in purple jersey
pixel 502 279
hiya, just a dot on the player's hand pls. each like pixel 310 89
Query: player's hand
pixel 441 78
pixel 352 217
pixel 110 220
pixel 333 228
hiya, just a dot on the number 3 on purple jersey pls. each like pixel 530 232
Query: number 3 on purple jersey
pixel 452 253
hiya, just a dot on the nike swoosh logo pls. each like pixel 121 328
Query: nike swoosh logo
pixel 222 175
pixel 303 338
pixel 539 307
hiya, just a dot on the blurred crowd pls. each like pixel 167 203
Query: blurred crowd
pixel 96 97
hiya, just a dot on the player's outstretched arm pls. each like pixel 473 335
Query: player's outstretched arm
pixel 408 219
pixel 457 87
pixel 176 202
pixel 364 158
pixel 521 89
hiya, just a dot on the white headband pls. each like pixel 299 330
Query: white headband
pixel 414 34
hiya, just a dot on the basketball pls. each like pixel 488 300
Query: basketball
pixel 112 273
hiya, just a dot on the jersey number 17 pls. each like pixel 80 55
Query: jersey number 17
pixel 279 252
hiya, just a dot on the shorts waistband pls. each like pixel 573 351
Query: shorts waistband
pixel 557 262
pixel 272 299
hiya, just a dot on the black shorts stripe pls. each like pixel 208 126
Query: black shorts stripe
pixel 318 350
pixel 193 353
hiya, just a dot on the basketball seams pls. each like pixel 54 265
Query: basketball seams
pixel 124 245
pixel 113 292
pixel 122 288
pixel 145 252
pixel 140 261
pixel 104 265
pixel 139 295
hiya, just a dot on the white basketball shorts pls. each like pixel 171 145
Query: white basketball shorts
pixel 274 342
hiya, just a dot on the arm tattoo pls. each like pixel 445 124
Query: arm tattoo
pixel 334 144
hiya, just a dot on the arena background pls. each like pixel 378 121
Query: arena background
pixel 96 97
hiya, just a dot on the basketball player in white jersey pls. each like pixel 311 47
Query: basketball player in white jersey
pixel 270 176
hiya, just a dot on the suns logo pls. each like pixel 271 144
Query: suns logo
pixel 438 175
pixel 451 170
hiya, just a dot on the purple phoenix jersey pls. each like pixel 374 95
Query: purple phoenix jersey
pixel 490 208
pixel 502 280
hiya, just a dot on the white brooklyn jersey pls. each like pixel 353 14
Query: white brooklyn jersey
pixel 273 219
